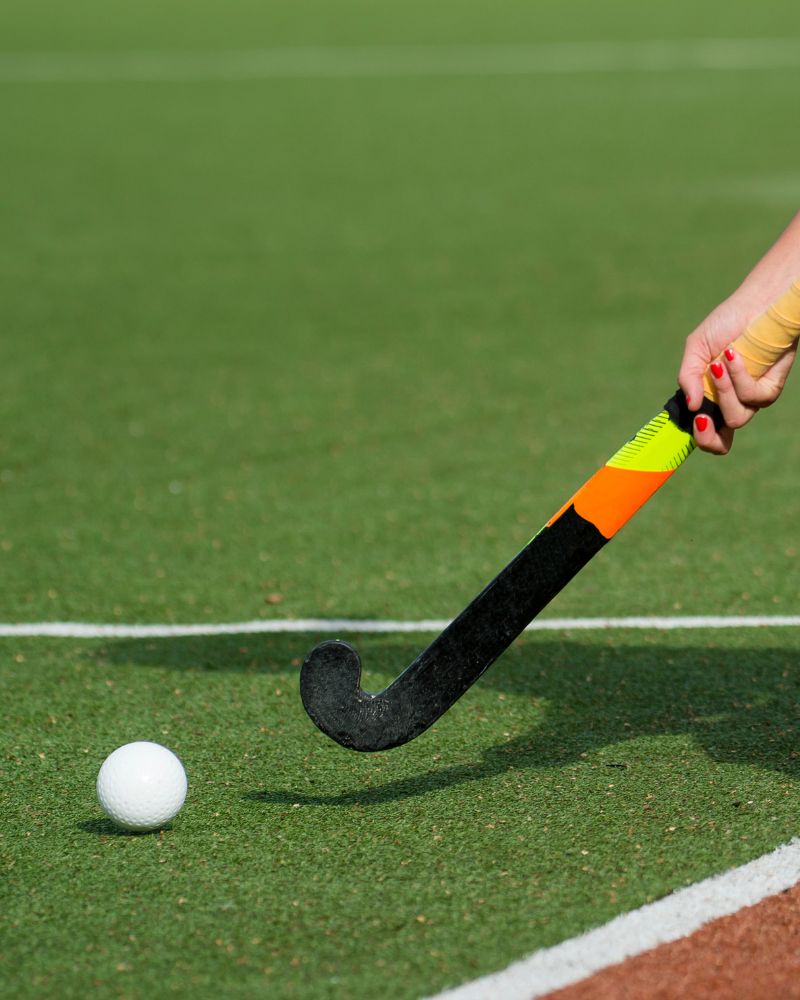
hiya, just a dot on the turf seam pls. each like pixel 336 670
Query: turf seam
pixel 388 61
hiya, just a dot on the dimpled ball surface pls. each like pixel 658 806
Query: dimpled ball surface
pixel 141 786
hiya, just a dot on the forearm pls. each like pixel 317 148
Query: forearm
pixel 773 274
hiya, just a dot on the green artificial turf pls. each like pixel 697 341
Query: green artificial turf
pixel 338 348
pixel 584 776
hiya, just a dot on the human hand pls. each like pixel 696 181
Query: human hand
pixel 740 396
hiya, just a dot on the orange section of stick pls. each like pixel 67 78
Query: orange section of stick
pixel 612 496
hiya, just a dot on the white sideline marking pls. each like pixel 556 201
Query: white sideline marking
pixel 372 62
pixel 669 919
pixel 87 630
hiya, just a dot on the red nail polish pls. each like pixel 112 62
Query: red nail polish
pixel 729 353
pixel 716 369
pixel 701 422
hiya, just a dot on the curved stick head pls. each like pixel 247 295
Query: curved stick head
pixel 331 690
pixel 330 686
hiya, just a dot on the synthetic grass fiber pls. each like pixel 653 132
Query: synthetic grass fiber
pixel 337 348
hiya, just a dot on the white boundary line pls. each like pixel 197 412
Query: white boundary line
pixel 669 919
pixel 89 630
pixel 372 62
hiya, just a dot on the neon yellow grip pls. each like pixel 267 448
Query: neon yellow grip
pixel 767 338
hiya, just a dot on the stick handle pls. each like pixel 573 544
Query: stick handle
pixel 767 338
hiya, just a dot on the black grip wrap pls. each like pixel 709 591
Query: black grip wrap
pixel 680 414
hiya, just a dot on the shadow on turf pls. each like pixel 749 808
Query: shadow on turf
pixel 105 828
pixel 212 654
pixel 739 704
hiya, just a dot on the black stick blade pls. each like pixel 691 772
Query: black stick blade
pixel 330 686
pixel 436 679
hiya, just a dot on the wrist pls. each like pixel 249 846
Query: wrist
pixel 751 299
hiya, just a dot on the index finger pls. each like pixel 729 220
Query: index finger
pixel 691 372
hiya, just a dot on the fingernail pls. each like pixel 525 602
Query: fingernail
pixel 688 399
pixel 729 353
pixel 701 423
pixel 716 369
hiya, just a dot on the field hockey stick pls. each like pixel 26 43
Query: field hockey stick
pixel 330 677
